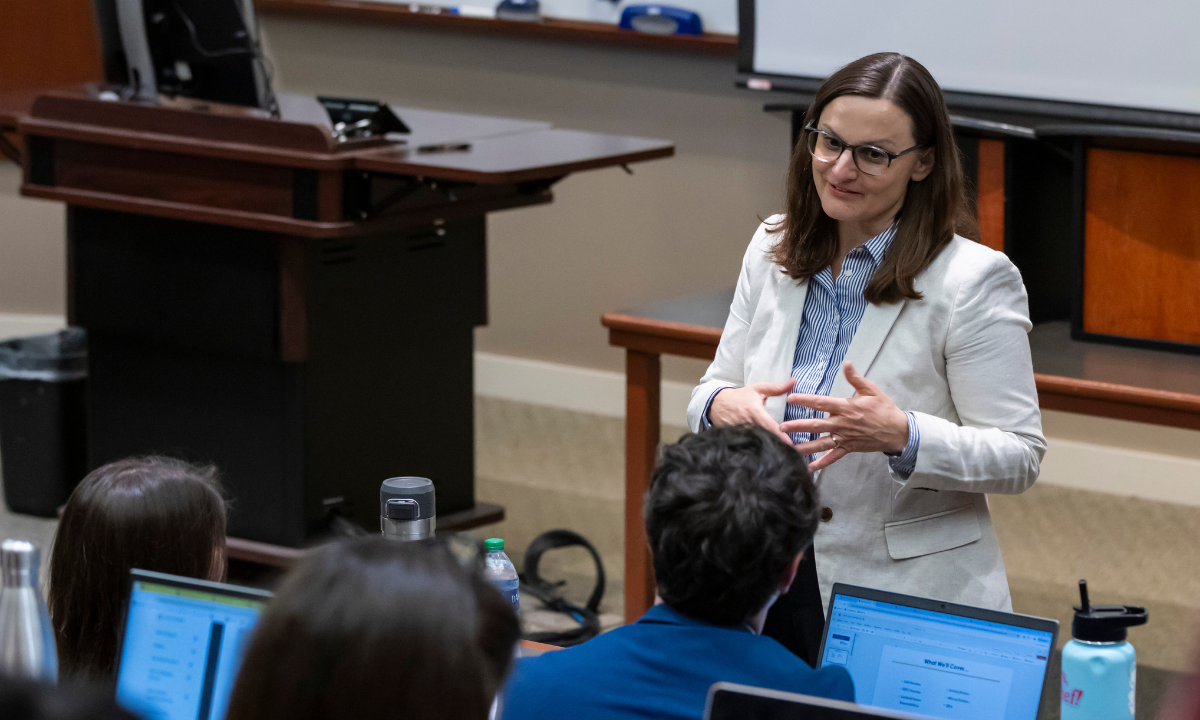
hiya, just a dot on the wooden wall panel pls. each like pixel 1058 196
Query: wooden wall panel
pixel 990 202
pixel 1142 246
pixel 48 43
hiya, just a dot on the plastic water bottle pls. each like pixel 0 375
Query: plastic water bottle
pixel 501 573
pixel 1099 667
pixel 26 638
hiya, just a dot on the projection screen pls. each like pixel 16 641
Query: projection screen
pixel 1142 54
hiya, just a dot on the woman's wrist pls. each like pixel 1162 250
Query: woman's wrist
pixel 899 434
pixel 708 410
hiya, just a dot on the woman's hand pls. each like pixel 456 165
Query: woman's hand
pixel 739 406
pixel 867 422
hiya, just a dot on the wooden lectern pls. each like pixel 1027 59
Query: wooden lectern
pixel 296 310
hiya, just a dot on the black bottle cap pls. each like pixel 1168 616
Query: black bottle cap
pixel 1104 623
pixel 415 495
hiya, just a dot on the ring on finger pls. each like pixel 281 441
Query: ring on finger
pixel 836 442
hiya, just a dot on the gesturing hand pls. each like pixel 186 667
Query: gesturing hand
pixel 737 406
pixel 867 422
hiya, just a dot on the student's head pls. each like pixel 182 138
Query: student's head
pixel 909 172
pixel 28 700
pixel 728 512
pixel 152 513
pixel 371 628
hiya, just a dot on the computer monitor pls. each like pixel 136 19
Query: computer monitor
pixel 937 659
pixel 729 701
pixel 183 643
pixel 203 49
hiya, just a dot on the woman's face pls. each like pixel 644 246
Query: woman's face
pixel 850 195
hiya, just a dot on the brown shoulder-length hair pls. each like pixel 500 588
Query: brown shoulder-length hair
pixel 373 628
pixel 934 208
pixel 153 513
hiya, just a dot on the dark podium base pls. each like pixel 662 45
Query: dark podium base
pixel 186 326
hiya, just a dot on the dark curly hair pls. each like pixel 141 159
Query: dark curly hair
pixel 727 511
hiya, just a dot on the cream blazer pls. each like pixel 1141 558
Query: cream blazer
pixel 959 360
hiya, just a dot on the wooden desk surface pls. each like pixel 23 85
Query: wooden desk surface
pixel 530 648
pixel 1085 377
pixel 707 310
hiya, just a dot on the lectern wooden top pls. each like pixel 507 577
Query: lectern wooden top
pixel 199 121
pixel 211 163
pixel 500 150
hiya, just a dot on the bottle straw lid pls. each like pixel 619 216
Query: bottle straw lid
pixel 1104 623
pixel 493 544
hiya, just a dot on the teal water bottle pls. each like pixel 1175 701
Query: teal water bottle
pixel 1099 667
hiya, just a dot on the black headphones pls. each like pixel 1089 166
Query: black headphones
pixel 588 617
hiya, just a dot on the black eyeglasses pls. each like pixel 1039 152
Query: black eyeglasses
pixel 869 159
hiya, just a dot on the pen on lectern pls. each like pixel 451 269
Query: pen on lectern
pixel 444 147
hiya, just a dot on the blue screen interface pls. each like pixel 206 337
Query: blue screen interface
pixel 936 664
pixel 182 651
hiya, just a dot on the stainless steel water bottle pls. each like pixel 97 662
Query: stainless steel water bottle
pixel 26 637
pixel 406 508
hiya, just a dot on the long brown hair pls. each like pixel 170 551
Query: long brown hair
pixel 153 513
pixel 372 628
pixel 934 208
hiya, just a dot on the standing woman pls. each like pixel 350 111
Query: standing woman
pixel 871 334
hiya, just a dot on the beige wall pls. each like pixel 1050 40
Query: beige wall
pixel 32 250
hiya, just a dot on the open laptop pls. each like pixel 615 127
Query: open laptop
pixel 183 642
pixel 937 659
pixel 729 701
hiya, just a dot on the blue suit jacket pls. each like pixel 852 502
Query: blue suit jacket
pixel 659 667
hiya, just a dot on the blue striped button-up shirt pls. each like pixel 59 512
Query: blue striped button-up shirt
pixel 832 312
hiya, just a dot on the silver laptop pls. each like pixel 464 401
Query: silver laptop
pixel 937 659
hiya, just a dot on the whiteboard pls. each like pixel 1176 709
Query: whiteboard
pixel 1143 54
pixel 718 16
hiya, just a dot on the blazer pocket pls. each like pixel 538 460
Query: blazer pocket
pixel 932 533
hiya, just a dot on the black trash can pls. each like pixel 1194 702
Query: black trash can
pixel 43 425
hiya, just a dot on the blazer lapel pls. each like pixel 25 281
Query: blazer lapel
pixel 872 330
pixel 785 331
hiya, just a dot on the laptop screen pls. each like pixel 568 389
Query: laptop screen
pixel 184 641
pixel 938 664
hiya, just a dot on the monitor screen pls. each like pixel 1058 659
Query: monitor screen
pixel 183 646
pixel 202 49
pixel 937 664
